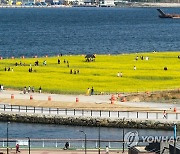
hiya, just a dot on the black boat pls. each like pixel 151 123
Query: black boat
pixel 164 15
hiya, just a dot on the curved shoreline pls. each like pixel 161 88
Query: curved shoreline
pixel 87 121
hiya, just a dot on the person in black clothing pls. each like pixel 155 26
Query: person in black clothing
pixel 92 91
pixel 59 61
pixel 66 146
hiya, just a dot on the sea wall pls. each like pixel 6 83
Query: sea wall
pixel 87 121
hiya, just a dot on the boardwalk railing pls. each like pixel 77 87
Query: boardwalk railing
pixel 59 143
pixel 90 113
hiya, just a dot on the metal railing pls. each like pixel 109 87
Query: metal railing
pixel 60 143
pixel 91 113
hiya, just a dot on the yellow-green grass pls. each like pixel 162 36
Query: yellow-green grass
pixel 101 74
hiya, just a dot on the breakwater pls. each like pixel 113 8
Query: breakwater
pixel 87 121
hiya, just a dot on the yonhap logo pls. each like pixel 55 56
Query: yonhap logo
pixel 131 138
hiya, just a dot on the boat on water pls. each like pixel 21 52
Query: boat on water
pixel 164 15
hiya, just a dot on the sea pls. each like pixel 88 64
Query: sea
pixel 72 31
pixel 51 31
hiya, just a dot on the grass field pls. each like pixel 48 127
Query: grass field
pixel 101 74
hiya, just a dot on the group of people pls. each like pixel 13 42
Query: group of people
pixel 90 92
pixel 65 62
pixel 31 89
pixel 142 58
pixel 119 74
pixel 74 72
pixel 8 69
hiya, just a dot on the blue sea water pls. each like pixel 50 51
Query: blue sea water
pixel 50 31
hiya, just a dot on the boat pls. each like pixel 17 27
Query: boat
pixel 164 15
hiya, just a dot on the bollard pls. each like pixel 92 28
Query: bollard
pixel 12 96
pixel 31 97
pixel 123 99
pixel 49 98
pixel 175 109
pixel 77 99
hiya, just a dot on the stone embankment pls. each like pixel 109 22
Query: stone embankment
pixel 87 121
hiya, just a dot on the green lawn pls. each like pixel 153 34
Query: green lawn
pixel 101 74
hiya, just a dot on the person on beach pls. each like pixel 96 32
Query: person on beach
pixel 164 114
pixel 17 148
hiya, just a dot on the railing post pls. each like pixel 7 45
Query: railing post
pixel 109 113
pixel 49 110
pixel 11 107
pixel 176 116
pixel 82 112
pixel 42 110
pixel 3 143
pixel 56 144
pixel 91 113
pixel 34 109
pixel 100 113
pixel 156 115
pixel 137 115
pixel 43 144
pixel 74 112
pixel 19 109
pixel 96 144
pixel 118 114
pixel 26 108
pixel 4 107
pixel 66 111
pixel 147 115
pixel 57 110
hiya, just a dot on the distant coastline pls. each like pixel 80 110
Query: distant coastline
pixel 119 4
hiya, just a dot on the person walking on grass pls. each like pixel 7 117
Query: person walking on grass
pixel 92 91
pixel 40 89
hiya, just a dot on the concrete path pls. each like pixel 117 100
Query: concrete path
pixel 96 99
pixel 63 152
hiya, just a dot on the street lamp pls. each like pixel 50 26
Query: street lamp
pixel 175 136
pixel 99 151
pixel 123 134
pixel 8 137
pixel 29 143
pixel 85 139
